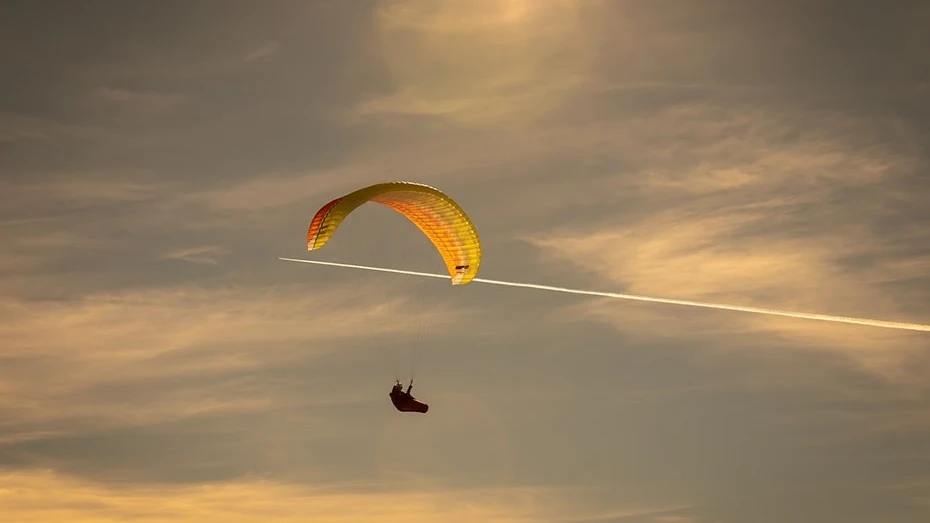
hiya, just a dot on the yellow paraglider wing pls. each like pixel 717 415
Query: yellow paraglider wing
pixel 433 212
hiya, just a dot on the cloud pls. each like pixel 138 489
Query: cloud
pixel 65 216
pixel 916 489
pixel 479 63
pixel 676 519
pixel 43 495
pixel 76 190
pixel 627 514
pixel 276 190
pixel 742 213
pixel 700 259
pixel 18 128
pixel 207 254
pixel 441 161
pixel 28 251
pixel 82 348
pixel 263 52
pixel 662 155
pixel 138 99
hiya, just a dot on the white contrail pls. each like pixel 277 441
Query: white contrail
pixel 721 306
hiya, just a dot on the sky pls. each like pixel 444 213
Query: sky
pixel 160 364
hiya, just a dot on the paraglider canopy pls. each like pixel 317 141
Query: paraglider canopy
pixel 436 215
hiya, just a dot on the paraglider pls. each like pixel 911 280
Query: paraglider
pixel 437 215
pixel 404 401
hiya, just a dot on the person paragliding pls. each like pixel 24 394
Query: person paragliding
pixel 447 226
pixel 404 401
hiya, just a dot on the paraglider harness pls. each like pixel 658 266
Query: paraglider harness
pixel 404 401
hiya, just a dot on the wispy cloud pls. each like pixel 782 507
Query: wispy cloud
pixel 263 52
pixel 16 128
pixel 486 62
pixel 45 495
pixel 758 219
pixel 77 189
pixel 108 339
pixel 207 254
pixel 676 519
pixel 277 190
pixel 692 262
pixel 55 218
pixel 138 99
pixel 916 489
